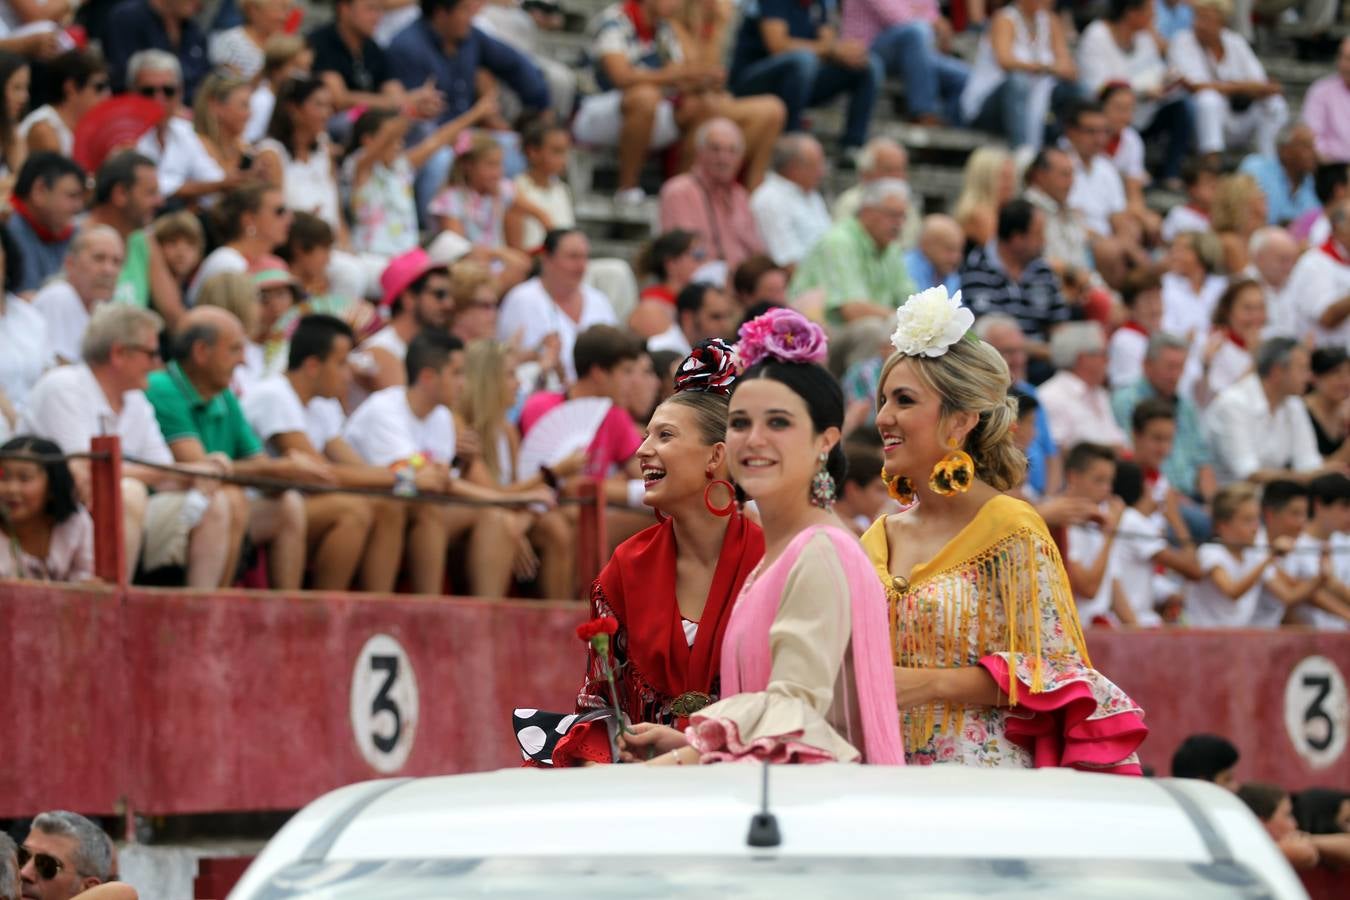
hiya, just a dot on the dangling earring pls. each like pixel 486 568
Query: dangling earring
pixel 954 473
pixel 898 487
pixel 722 511
pixel 822 485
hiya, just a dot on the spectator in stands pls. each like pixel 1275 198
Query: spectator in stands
pixel 48 195
pixel 788 208
pixel 64 854
pixel 1319 286
pixel 105 395
pixel 1207 757
pixel 1004 333
pixel 937 258
pixel 286 56
pixel 1200 178
pixel 1284 513
pixel 858 264
pixel 913 40
pixel 220 116
pixel 671 259
pixel 1023 70
pixel 475 300
pixel 76 81
pixel 1125 47
pixel 185 168
pixel 15 78
pixel 1152 508
pixel 239 50
pixel 49 536
pixel 1125 148
pixel 1075 399
pixel 1274 253
pixel 554 307
pixel 703 311
pixel 417 296
pixel 167 25
pixel 651 94
pixel 1237 324
pixel 1326 109
pixel 183 241
pixel 91 270
pixel 1239 209
pixel 1235 103
pixel 1192 284
pixel 760 280
pixel 201 419
pixel 1274 807
pixel 1321 557
pixel 355 68
pixel 1050 180
pixel 126 195
pixel 1258 428
pixel 1010 275
pixel 791 50
pixel 1233 566
pixel 297 142
pixel 25 352
pixel 708 200
pixel 411 432
pixel 253 221
pixel 546 144
pixel 1285 177
pixel 1089 470
pixel 1142 296
pixel 881 157
pixel 1189 467
pixel 522 25
pixel 988 181
pixel 1331 183
pixel 1327 401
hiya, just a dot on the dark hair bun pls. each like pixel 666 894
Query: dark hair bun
pixel 710 368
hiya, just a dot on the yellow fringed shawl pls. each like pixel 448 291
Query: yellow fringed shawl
pixel 999 586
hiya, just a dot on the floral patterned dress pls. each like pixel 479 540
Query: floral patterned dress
pixel 997 597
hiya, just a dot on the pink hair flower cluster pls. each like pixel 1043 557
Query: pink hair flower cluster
pixel 782 334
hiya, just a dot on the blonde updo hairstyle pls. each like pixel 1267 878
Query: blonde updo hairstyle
pixel 972 377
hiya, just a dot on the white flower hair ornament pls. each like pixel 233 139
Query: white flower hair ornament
pixel 929 322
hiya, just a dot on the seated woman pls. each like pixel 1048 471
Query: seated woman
pixel 654 93
pixel 76 82
pixel 672 259
pixel 1227 355
pixel 991 666
pixel 1125 352
pixel 48 535
pixel 1192 284
pixel 1239 209
pixel 1327 400
pixel 988 181
pixel 1125 149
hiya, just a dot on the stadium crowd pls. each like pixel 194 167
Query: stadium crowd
pixel 345 256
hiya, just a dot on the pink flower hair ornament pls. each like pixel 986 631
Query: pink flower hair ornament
pixel 784 335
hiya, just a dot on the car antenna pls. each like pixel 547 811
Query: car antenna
pixel 763 825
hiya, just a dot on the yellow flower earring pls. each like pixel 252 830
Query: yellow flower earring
pixel 898 487
pixel 954 473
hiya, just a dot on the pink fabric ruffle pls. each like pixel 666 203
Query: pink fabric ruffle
pixel 1060 726
pixel 719 740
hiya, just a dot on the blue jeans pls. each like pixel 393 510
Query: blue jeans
pixel 909 51
pixel 1005 111
pixel 1175 119
pixel 801 81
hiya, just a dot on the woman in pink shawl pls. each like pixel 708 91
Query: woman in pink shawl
pixel 805 670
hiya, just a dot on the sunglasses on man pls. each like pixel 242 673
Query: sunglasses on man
pixel 169 91
pixel 44 864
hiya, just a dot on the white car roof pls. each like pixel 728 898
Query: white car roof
pixel 826 810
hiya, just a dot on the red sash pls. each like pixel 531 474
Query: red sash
pixel 1334 250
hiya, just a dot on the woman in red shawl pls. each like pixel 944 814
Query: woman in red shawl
pixel 671 587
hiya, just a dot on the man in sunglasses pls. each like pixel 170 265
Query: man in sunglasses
pixel 185 169
pixel 64 854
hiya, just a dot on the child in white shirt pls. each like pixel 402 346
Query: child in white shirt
pixel 1234 567
pixel 1322 555
pixel 1141 546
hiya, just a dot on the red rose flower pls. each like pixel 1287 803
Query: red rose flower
pixel 605 625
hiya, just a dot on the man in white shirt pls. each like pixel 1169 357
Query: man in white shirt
pixel 186 170
pixel 1050 181
pixel 1259 429
pixel 787 206
pixel 187 518
pixel 92 267
pixel 1075 398
pixel 1320 286
pixel 416 291
pixel 1088 472
pixel 410 431
pixel 1098 195
pixel 1273 253
pixel 702 312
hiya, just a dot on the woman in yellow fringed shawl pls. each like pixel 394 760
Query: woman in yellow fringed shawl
pixel 991 666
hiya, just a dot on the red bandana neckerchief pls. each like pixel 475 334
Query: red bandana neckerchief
pixel 1335 251
pixel 1114 144
pixel 1236 338
pixel 44 234
pixel 646 31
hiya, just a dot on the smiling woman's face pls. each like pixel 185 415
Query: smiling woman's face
pixel 772 445
pixel 909 419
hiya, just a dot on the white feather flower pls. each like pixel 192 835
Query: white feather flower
pixel 930 322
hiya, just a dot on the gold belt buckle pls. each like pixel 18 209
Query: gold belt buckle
pixel 689 703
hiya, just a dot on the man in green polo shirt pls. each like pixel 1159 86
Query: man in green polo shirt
pixel 859 264
pixel 201 420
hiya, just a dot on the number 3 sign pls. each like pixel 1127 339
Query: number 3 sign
pixel 1316 712
pixel 384 704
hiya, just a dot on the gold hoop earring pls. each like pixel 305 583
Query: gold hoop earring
pixel 898 487
pixel 954 473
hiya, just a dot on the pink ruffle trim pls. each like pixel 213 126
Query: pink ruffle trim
pixel 1057 727
pixel 719 740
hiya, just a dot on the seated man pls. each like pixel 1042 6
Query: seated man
pixel 789 49
pixel 788 208
pixel 356 69
pixel 709 201
pixel 91 271
pixel 702 311
pixel 105 395
pixel 937 258
pixel 1274 253
pixel 417 296
pixel 75 847
pixel 48 195
pixel 186 170
pixel 1326 109
pixel 858 265
pixel 651 95
pixel 881 157
pixel 410 432
pixel 1287 177
pixel 1319 286
pixel 1075 399
pixel 201 419
pixel 166 25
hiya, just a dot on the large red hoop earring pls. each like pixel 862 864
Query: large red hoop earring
pixel 722 511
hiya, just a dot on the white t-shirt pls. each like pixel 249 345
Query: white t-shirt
pixel 1269 610
pixel 48 115
pixel 1187 312
pixel 182 157
pixel 1247 435
pixel 1139 540
pixel 1306 562
pixel 384 430
pixel 1125 354
pixel 1085 546
pixel 221 259
pixel 1129 156
pixel 260 105
pixel 272 407
pixel 310 185
pixel 1317 282
pixel 66 318
pixel 69 408
pixel 529 310
pixel 25 349
pixel 556 200
pixel 1207 606
pixel 1098 192
pixel 1101 59
pixel 1195 63
pixel 1182 219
